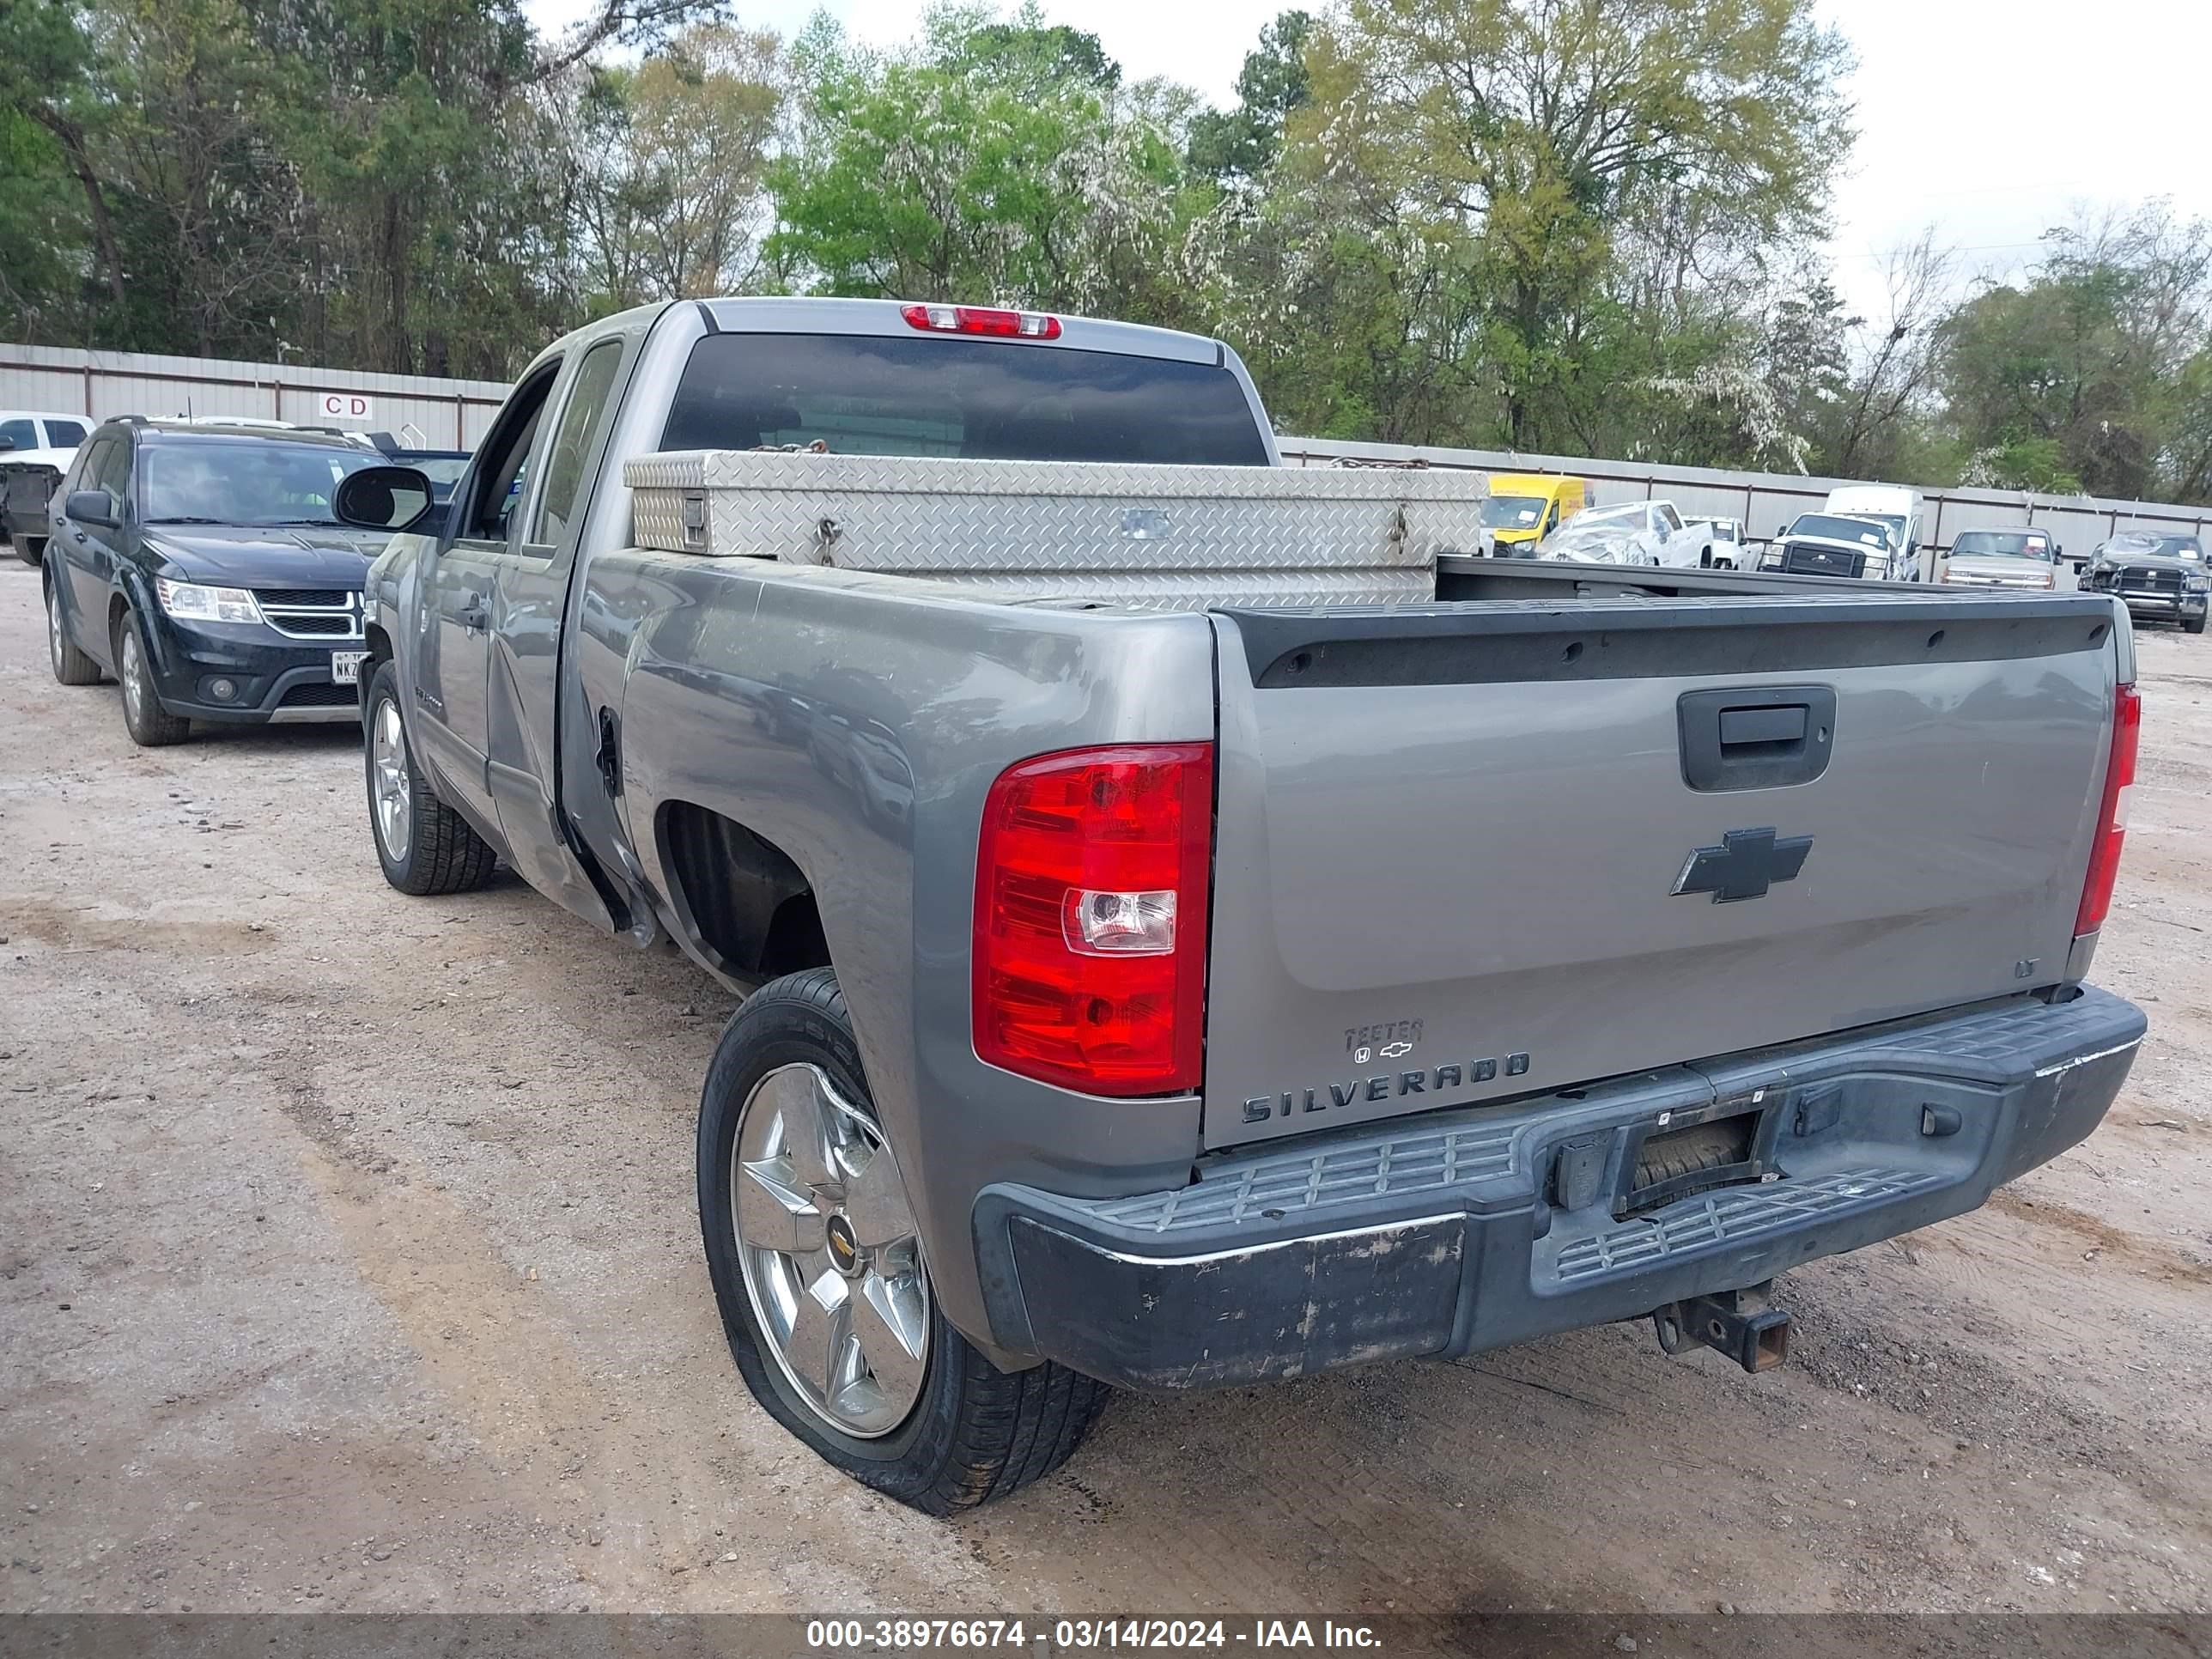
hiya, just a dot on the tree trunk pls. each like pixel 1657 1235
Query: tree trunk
pixel 397 357
pixel 103 228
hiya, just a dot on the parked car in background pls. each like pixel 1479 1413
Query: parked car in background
pixel 1898 511
pixel 1636 532
pixel 2159 578
pixel 36 447
pixel 201 565
pixel 2023 558
pixel 1831 545
pixel 1526 507
pixel 1714 544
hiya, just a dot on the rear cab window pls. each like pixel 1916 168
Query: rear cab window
pixel 964 399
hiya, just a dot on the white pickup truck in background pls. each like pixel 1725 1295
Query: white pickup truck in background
pixel 1636 532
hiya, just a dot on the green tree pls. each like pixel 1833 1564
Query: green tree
pixel 1244 142
pixel 2085 370
pixel 48 106
pixel 1541 135
pixel 669 158
pixel 994 163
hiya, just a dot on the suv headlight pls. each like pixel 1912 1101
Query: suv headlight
pixel 2196 584
pixel 191 602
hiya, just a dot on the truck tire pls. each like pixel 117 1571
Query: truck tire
pixel 424 846
pixel 31 549
pixel 72 665
pixel 2193 625
pixel 150 724
pixel 881 1386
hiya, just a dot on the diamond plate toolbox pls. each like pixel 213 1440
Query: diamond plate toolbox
pixel 1154 537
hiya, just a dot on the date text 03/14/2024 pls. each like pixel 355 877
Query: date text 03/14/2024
pixel 1082 1635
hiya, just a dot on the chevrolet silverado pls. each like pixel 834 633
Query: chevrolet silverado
pixel 1197 924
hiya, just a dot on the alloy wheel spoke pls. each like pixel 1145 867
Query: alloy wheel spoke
pixel 775 1210
pixel 814 1131
pixel 821 1334
pixel 890 1318
pixel 876 1203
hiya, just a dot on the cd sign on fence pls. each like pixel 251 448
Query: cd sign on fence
pixel 347 406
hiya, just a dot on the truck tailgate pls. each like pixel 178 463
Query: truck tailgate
pixel 1469 852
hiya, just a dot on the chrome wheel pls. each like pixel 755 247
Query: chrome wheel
pixel 387 782
pixel 826 1240
pixel 130 670
pixel 54 640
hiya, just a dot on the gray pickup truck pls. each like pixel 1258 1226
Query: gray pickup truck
pixel 1197 924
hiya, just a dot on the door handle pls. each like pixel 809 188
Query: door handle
pixel 472 616
pixel 1762 737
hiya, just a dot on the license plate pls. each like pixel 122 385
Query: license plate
pixel 345 666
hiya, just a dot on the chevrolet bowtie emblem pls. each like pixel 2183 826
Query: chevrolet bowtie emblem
pixel 1744 865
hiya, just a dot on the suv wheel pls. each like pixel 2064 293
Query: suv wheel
pixel 424 845
pixel 72 665
pixel 31 549
pixel 823 1289
pixel 150 725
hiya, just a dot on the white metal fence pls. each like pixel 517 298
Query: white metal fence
pixel 455 413
pixel 437 414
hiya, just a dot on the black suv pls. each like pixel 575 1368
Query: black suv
pixel 202 566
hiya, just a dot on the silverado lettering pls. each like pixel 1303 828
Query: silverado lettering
pixel 1258 1108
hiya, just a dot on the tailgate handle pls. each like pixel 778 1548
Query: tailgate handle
pixel 1756 738
pixel 1783 724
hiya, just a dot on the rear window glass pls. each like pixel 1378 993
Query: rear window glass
pixel 64 435
pixel 969 400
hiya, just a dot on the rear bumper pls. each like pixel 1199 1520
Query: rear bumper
pixel 1459 1231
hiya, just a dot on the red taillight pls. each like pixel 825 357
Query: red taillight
pixel 983 320
pixel 2112 812
pixel 1091 880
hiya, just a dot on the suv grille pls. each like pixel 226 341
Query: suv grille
pixel 311 613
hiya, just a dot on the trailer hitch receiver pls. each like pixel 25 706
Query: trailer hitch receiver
pixel 1744 1325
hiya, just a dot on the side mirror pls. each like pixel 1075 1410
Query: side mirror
pixel 395 498
pixel 90 506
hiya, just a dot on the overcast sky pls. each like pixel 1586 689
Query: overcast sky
pixel 1989 121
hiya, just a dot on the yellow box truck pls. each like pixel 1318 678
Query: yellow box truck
pixel 1526 507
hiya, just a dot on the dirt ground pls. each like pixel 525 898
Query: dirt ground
pixel 348 1261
